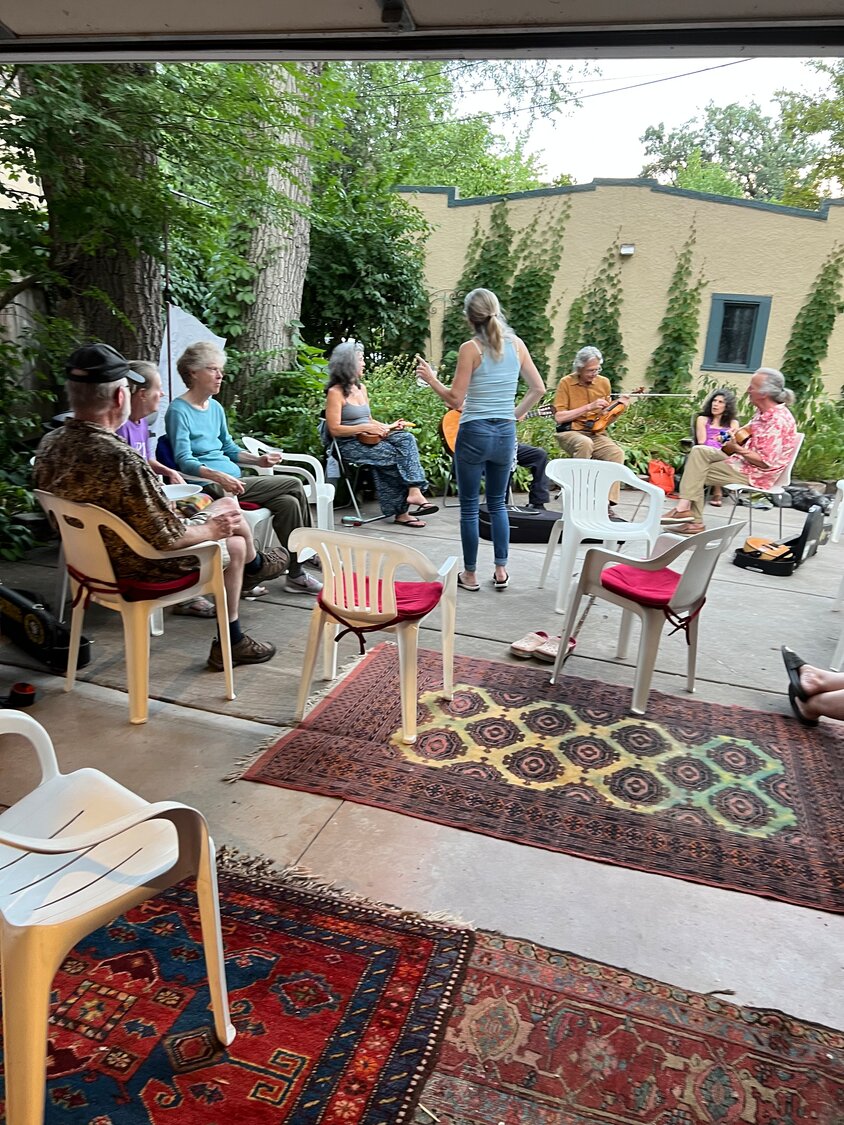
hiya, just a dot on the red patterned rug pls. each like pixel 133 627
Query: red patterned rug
pixel 539 1037
pixel 339 1009
pixel 741 799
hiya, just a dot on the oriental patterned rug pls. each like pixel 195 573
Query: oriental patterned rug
pixel 539 1037
pixel 339 1008
pixel 727 796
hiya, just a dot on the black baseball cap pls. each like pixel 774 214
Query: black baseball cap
pixel 99 363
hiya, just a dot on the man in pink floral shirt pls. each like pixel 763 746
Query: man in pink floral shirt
pixel 759 462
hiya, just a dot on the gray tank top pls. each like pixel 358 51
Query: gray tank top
pixel 353 413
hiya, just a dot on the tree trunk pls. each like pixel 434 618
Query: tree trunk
pixel 110 291
pixel 280 248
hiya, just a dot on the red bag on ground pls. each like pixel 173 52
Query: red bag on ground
pixel 662 475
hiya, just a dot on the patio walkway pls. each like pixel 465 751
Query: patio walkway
pixel 767 953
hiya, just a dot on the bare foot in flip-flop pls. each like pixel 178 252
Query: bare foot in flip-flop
pixel 409 521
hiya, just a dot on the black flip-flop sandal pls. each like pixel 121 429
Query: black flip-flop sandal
pixel 793 664
pixel 795 707
pixel 423 510
pixel 474 587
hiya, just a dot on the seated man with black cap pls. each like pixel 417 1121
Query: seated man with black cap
pixel 86 462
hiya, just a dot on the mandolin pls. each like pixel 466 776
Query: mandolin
pixel 450 422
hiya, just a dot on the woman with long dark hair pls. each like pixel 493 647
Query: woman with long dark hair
pixel 716 422
pixel 390 450
pixel 483 389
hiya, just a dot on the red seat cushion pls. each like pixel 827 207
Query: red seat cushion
pixel 413 599
pixel 136 590
pixel 647 587
pixel 248 506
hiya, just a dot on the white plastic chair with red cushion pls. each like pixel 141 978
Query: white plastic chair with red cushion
pixel 584 493
pixel 656 593
pixel 362 594
pixel 92 579
pixel 76 852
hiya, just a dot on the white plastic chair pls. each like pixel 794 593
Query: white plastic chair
pixel 92 578
pixel 838 513
pixel 776 489
pixel 656 593
pixel 584 492
pixel 76 852
pixel 260 520
pixel 308 469
pixel 361 593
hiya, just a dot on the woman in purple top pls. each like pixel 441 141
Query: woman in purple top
pixel 145 401
pixel 715 423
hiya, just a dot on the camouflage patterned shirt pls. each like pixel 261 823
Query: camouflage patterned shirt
pixel 90 464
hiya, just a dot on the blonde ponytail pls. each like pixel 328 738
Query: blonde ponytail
pixel 482 310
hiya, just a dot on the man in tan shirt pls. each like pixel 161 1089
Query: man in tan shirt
pixel 579 398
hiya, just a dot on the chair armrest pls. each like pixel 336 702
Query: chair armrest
pixel 61 845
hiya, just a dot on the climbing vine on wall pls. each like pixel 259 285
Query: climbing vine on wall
pixel 670 369
pixel 599 320
pixel 809 340
pixel 572 338
pixel 520 270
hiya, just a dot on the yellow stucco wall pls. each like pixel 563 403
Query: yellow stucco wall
pixel 742 248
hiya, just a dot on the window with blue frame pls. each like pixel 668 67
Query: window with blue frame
pixel 735 338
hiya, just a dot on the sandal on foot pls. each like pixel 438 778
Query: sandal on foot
pixel 412 522
pixel 474 586
pixel 804 720
pixel 793 664
pixel 418 510
pixel 196 607
pixel 501 583
pixel 527 646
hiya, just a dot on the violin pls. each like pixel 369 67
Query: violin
pixel 606 416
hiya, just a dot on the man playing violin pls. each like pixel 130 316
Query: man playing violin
pixel 579 401
pixel 758 461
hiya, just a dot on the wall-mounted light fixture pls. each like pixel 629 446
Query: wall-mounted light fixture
pixel 627 249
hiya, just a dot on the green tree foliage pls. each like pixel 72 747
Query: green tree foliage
pixel 820 116
pixel 93 155
pixel 400 127
pixel 488 265
pixel 708 177
pixel 670 369
pixel 756 152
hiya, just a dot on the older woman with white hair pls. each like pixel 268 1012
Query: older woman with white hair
pixel 758 461
pixel 390 450
pixel 203 447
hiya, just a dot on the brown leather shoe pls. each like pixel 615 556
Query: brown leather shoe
pixel 246 651
pixel 274 564
pixel 689 528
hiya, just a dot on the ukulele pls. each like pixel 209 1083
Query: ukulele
pixel 606 416
pixel 373 439
pixel 450 422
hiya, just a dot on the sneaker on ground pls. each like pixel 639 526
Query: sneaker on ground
pixel 246 651
pixel 303 584
pixel 275 563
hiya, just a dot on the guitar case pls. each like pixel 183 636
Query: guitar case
pixel 800 547
pixel 525 527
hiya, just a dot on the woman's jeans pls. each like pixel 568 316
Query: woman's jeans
pixel 484 449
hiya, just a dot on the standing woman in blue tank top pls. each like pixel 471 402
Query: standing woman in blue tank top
pixel 484 389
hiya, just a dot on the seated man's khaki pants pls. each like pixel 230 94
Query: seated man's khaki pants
pixel 578 443
pixel 704 466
